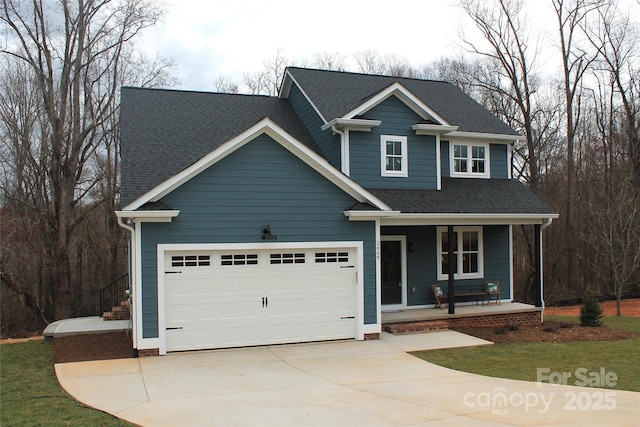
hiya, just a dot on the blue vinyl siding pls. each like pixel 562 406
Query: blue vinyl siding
pixel 365 153
pixel 261 183
pixel 422 267
pixel 328 143
pixel 499 163
pixel 445 165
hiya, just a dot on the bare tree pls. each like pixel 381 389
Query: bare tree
pixel 613 234
pixel 570 15
pixel 617 39
pixel 267 81
pixel 502 24
pixel 74 51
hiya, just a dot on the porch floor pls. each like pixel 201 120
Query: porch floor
pixel 430 313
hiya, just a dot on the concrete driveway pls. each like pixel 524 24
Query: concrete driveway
pixel 343 383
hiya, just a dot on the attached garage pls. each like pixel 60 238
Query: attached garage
pixel 220 296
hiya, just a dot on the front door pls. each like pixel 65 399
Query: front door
pixel 392 263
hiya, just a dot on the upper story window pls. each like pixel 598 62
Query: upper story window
pixel 470 160
pixel 393 151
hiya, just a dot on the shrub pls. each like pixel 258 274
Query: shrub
pixel 590 312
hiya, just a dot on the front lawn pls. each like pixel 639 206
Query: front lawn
pixel 521 361
pixel 31 396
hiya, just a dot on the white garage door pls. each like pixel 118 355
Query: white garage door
pixel 216 299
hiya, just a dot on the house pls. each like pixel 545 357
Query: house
pixel 258 220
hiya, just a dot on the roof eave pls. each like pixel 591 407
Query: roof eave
pixel 364 125
pixel 148 216
pixel 489 136
pixel 431 129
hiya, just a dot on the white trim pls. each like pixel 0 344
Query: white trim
pixel 510 161
pixel 438 164
pixel 404 161
pixel 363 125
pixel 431 129
pixel 149 216
pixel 403 270
pixel 459 275
pixel 511 262
pixel 389 218
pixel 378 248
pixel 496 137
pixel 139 342
pixel 346 153
pixel 273 130
pixel 162 248
pixel 470 145
pixel 405 95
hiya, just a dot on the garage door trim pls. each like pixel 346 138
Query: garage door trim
pixel 162 248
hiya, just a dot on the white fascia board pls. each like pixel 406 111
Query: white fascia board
pixel 369 215
pixel 428 129
pixel 466 219
pixel 487 136
pixel 397 89
pixel 149 216
pixel 363 125
pixel 273 130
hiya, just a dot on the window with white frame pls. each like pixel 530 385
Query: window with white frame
pixel 468 253
pixel 393 151
pixel 470 159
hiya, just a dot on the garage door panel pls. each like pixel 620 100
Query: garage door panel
pixel 254 297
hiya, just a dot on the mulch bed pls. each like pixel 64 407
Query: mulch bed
pixel 549 331
pixel 102 346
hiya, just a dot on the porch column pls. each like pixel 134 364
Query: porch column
pixel 452 264
pixel 538 260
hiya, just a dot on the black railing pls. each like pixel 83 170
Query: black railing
pixel 114 293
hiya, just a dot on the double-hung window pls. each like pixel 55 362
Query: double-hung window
pixel 468 253
pixel 470 160
pixel 393 151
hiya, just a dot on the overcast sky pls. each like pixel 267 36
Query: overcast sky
pixel 209 38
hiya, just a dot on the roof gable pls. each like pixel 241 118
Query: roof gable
pixel 277 133
pixel 165 131
pixel 340 94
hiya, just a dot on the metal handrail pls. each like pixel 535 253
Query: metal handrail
pixel 114 293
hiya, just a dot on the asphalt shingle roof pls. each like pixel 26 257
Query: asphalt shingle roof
pixel 335 93
pixel 467 196
pixel 165 131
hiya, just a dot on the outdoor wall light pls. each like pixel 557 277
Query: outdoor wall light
pixel 266 233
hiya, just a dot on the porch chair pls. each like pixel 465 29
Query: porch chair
pixel 493 290
pixel 441 297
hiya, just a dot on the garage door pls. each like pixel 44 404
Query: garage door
pixel 217 299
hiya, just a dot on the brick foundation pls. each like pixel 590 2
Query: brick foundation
pixel 149 352
pixel 488 320
pixel 369 337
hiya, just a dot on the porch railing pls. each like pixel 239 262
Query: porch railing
pixel 114 293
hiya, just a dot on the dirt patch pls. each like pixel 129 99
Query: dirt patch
pixel 549 331
pixel 103 346
pixel 629 307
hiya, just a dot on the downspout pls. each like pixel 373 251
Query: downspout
pixel 344 159
pixel 547 222
pixel 132 276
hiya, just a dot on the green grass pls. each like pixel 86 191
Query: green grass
pixel 521 361
pixel 31 396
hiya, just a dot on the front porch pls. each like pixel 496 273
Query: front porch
pixel 416 320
